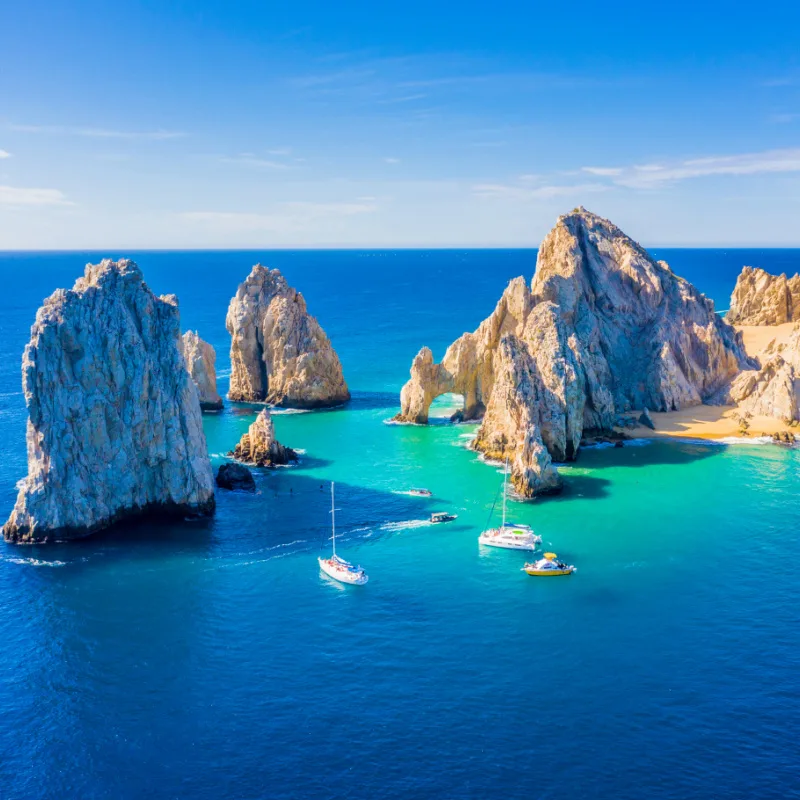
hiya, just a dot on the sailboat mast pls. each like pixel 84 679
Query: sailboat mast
pixel 333 520
pixel 505 486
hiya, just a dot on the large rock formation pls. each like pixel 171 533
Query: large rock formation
pixel 259 446
pixel 114 427
pixel 763 299
pixel 279 353
pixel 603 330
pixel 201 362
pixel 773 390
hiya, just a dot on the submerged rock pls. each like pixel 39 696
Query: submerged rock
pixel 279 353
pixel 604 329
pixel 763 299
pixel 114 429
pixel 259 446
pixel 201 360
pixel 236 478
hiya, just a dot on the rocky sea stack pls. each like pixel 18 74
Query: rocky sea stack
pixel 763 299
pixel 114 429
pixel 259 446
pixel 603 329
pixel 279 353
pixel 201 361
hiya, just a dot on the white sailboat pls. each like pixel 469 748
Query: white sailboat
pixel 509 535
pixel 336 567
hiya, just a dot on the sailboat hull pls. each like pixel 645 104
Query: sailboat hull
pixel 342 574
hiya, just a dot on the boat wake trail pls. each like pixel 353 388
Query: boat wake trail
pixel 406 525
pixel 35 562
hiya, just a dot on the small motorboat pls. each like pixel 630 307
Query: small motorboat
pixel 549 565
pixel 509 535
pixel 336 567
pixel 421 492
pixel 442 516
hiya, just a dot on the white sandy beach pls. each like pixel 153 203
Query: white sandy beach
pixel 720 422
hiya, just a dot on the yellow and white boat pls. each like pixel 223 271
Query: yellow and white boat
pixel 549 565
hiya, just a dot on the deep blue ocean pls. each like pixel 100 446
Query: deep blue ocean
pixel 211 659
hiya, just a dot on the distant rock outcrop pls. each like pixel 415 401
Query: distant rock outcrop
pixel 773 390
pixel 604 329
pixel 201 362
pixel 235 478
pixel 259 446
pixel 114 428
pixel 763 299
pixel 279 353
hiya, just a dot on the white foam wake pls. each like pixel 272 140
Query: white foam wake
pixel 405 525
pixel 35 562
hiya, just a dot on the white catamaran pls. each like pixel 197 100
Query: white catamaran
pixel 510 535
pixel 335 567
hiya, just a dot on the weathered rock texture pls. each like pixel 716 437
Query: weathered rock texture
pixel 259 446
pixel 763 299
pixel 114 428
pixel 235 478
pixel 201 361
pixel 773 390
pixel 279 353
pixel 604 329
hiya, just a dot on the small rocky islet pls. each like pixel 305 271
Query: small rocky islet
pixel 115 393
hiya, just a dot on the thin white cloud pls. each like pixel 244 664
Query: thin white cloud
pixel 96 133
pixel 603 172
pixel 18 196
pixel 391 160
pixel 406 98
pixel 523 193
pixel 280 151
pixel 249 160
pixel 647 176
pixel 782 119
pixel 288 217
pixel 4 154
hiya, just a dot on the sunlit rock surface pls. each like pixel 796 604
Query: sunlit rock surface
pixel 279 353
pixel 259 446
pixel 114 429
pixel 201 361
pixel 763 299
pixel 604 329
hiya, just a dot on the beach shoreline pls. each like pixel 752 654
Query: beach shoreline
pixel 721 422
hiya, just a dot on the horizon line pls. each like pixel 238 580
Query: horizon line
pixel 370 248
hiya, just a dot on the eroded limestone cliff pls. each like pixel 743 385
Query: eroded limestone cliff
pixel 201 361
pixel 772 390
pixel 114 428
pixel 604 329
pixel 259 446
pixel 279 353
pixel 763 299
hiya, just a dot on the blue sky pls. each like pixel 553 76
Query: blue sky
pixel 260 124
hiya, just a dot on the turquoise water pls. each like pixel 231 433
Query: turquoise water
pixel 211 659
